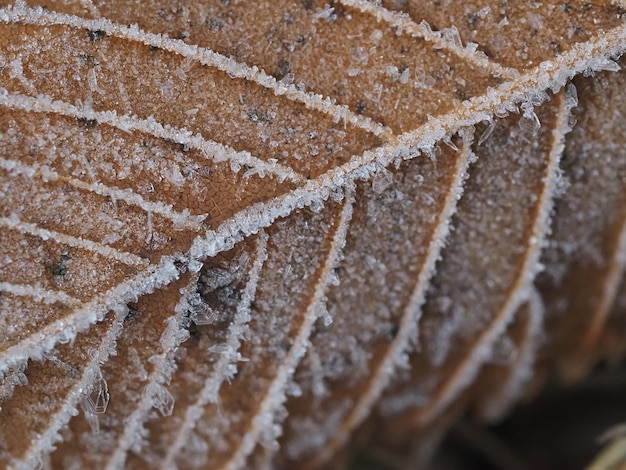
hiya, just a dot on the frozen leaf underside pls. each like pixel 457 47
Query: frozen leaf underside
pixel 233 231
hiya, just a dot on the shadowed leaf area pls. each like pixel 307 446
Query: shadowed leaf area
pixel 273 234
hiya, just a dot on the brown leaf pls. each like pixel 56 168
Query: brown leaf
pixel 233 231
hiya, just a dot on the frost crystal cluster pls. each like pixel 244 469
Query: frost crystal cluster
pixel 234 233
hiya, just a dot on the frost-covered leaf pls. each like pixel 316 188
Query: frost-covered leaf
pixel 233 231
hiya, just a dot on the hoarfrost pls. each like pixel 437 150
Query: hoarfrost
pixel 95 401
pixel 452 36
pixel 14 377
pixel 598 64
pixel 503 351
pixel 491 125
pixel 325 13
pixel 173 175
pixel 160 397
pixel 225 291
pixel 382 180
pixel 529 122
pixel 99 397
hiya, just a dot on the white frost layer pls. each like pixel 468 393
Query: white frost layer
pixel 128 122
pixel 65 329
pixel 522 287
pixel 39 16
pixel 44 443
pixel 13 222
pixel 230 355
pixel 264 422
pixel 155 393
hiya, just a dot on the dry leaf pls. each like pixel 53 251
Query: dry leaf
pixel 233 231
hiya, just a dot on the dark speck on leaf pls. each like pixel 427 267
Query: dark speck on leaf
pixel 96 35
pixel 132 314
pixel 460 94
pixel 89 123
pixel 253 115
pixel 89 59
pixel 180 265
pixel 283 69
pixel 183 147
pixel 214 24
pixel 393 330
pixel 59 269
